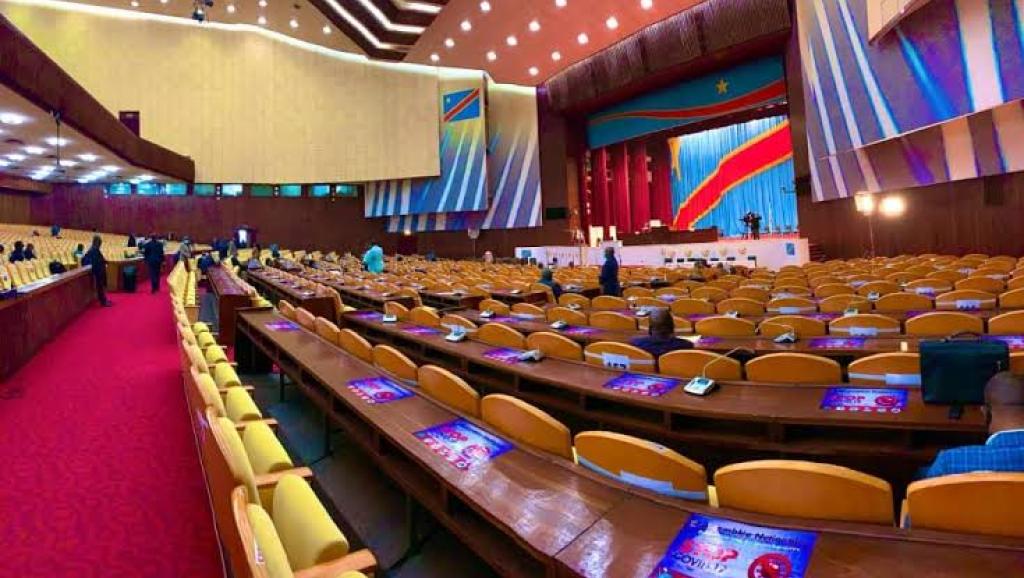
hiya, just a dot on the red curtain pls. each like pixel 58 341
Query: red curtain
pixel 661 181
pixel 639 186
pixel 620 207
pixel 599 184
pixel 584 205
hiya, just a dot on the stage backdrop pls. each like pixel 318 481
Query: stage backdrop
pixel 718 175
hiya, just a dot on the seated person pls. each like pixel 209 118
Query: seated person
pixel 205 262
pixel 662 338
pixel 547 277
pixel 30 252
pixel 1004 450
pixel 79 251
pixel 18 254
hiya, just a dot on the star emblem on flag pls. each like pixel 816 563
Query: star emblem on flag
pixel 722 86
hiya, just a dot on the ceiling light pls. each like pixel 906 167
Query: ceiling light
pixel 262 21
pixel 435 57
pixel 492 55
pixel 231 8
pixel 556 56
pixel 4 163
pixel 11 118
pixel 56 141
pixel 647 4
pixel 88 157
pixel 560 3
pixel 68 163
pixel 135 4
pixel 163 1
pixel 534 26
pixel 466 25
pixel 511 41
pixel 263 3
pixel 612 23
pixel 326 29
pixel 16 157
pixel 293 23
pixel 583 38
pixel 110 168
pixel 485 6
pixel 450 43
pixel 534 71
pixel 35 150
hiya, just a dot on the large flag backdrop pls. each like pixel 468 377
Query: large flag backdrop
pixel 720 174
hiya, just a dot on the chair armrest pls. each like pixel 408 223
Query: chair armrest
pixel 224 390
pixel 270 480
pixel 904 515
pixel 272 423
pixel 362 561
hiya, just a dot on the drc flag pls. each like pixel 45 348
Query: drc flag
pixel 463 105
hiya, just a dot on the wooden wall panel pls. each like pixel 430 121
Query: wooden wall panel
pixel 15 207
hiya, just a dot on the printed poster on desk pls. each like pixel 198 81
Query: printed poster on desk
pixel 378 390
pixel 282 326
pixel 504 355
pixel 1014 342
pixel 865 400
pixel 640 384
pixel 420 330
pixel 837 343
pixel 367 315
pixel 580 330
pixel 709 547
pixel 463 444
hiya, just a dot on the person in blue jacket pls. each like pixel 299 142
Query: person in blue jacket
pixel 609 278
pixel 373 259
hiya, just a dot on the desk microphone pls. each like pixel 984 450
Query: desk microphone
pixel 703 385
pixel 789 336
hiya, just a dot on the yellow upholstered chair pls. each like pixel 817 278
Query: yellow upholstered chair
pixel 611 354
pixel 690 306
pixel 792 305
pixel 394 362
pixel 948 275
pixel 638 462
pixel 214 354
pixel 864 325
pixel 840 303
pixel 1013 299
pixel 965 299
pixel 886 369
pixel 554 345
pixel 753 293
pixel 287 309
pixel 567 315
pixel 200 327
pixel 300 536
pixel 633 292
pixel 306 319
pixel 687 363
pixel 549 295
pixel 708 293
pixel 675 292
pixel 879 287
pixel 944 323
pixel 928 287
pixel 500 335
pixel 1011 323
pixel 495 306
pixel 608 302
pixel 449 389
pixel 794 368
pixel 833 289
pixel 425 316
pixel 526 424
pixel 986 284
pixel 902 301
pixel 528 309
pixel 1015 283
pixel 988 503
pixel 741 305
pixel 327 331
pixel 397 309
pixel 452 319
pixel 612 320
pixel 724 327
pixel 573 298
pixel 268 455
pixel 805 490
pixel 355 345
pixel 803 326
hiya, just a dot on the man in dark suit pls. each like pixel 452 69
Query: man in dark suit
pixel 609 278
pixel 153 255
pixel 99 269
pixel 662 335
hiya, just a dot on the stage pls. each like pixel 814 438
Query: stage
pixel 772 253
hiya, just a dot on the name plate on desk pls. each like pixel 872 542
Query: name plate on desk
pixel 836 343
pixel 367 315
pixel 504 355
pixel 580 330
pixel 639 384
pixel 419 330
pixel 378 390
pixel 859 399
pixel 1014 342
pixel 462 444
pixel 709 547
pixel 502 319
pixel 282 326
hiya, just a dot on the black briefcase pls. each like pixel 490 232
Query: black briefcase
pixel 954 370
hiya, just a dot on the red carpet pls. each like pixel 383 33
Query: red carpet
pixel 100 475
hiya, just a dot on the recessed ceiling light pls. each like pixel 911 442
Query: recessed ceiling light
pixel 327 29
pixel 163 1
pixel 11 118
pixel 262 21
pixel 110 168
pixel 647 4
pixel 263 3
pixel 612 23
pixel 16 157
pixel 88 157
pixel 293 23
pixel 35 150
pixel 135 4
pixel 583 38
pixel 512 41
pixel 56 141
pixel 534 26
pixel 68 163
pixel 485 6
pixel 435 57
pixel 561 3
pixel 492 55
pixel 231 8
pixel 450 43
pixel 466 25
pixel 556 56
pixel 4 163
pixel 534 71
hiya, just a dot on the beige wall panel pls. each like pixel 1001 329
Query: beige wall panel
pixel 247 107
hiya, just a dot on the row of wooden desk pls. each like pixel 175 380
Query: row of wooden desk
pixel 230 298
pixel 38 312
pixel 278 290
pixel 530 515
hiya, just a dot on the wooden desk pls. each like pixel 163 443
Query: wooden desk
pixel 367 299
pixel 667 236
pixel 512 298
pixel 741 420
pixel 448 301
pixel 531 515
pixel 279 290
pixel 36 315
pixel 115 272
pixel 230 298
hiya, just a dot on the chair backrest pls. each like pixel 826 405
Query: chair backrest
pixel 569 298
pixel 805 490
pixel 494 306
pixel 355 344
pixel 903 302
pixel 554 345
pixel 529 309
pixel 328 331
pixel 306 319
pixel 638 462
pixel 880 287
pixel 424 316
pixel 724 327
pixel 526 424
pixel 208 391
pixel 287 309
pixel 794 368
pixel 265 452
pixel 886 369
pixel 449 389
pixel 928 286
pixel 966 299
pixel 803 326
pixel 986 284
pixel 500 335
pixel 394 362
pixel 753 293
pixel 215 354
pixel 612 354
pixel 637 292
pixel 612 320
pixel 230 444
pixel 606 302
pixel 691 306
pixel 741 305
pixel 864 325
pixel 688 363
pixel 1013 299
pixel 791 305
pixel 567 315
pixel 1011 323
pixel 712 294
pixel 840 303
pixel 307 532
pixel 451 320
pixel 977 503
pixel 397 309
pixel 943 323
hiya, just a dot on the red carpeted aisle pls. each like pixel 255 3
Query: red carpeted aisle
pixel 99 475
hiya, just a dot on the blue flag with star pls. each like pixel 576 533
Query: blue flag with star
pixel 462 105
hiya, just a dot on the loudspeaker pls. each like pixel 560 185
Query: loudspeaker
pixel 556 213
pixel 994 190
pixel 130 118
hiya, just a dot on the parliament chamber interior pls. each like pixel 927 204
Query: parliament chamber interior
pixel 511 288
